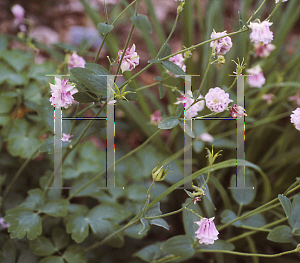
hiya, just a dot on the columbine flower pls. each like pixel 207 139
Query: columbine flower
pixel 131 59
pixel 296 98
pixel 257 79
pixel 205 137
pixel 75 61
pixel 268 98
pixel 179 61
pixel 222 45
pixel 62 93
pixel 187 102
pixel 66 137
pixel 207 232
pixel 217 100
pixel 237 111
pixel 277 1
pixel 295 118
pixel 155 117
pixel 3 224
pixel 261 32
pixel 18 12
pixel 262 50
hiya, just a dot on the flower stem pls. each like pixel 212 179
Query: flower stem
pixel 256 11
pixel 147 198
pixel 207 69
pixel 275 8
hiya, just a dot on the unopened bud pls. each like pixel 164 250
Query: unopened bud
pixel 221 59
pixel 180 7
pixel 160 173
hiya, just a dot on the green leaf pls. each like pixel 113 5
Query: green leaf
pixel 294 219
pixel 56 208
pixel 23 222
pixel 104 28
pixel 78 226
pixel 146 226
pixel 228 216
pixel 149 253
pixel 179 110
pixel 198 146
pixel 3 43
pixel 39 71
pixel 60 238
pixel 155 61
pixel 8 254
pixel 32 92
pixel 188 130
pixel 161 90
pixel 27 256
pixel 42 246
pixel 85 98
pixel 286 204
pixel 97 69
pixel 95 83
pixel 257 220
pixel 154 210
pixel 281 234
pixel 160 222
pixel 74 254
pixel 158 78
pixel 244 196
pixel 218 245
pixel 17 59
pixel 165 52
pixel 190 218
pixel 179 246
pixel 142 23
pixel 46 112
pixel 35 200
pixel 170 66
pixel 168 123
pixel 52 259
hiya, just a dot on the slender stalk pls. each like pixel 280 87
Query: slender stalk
pixel 255 228
pixel 18 173
pixel 232 84
pixel 206 71
pixel 277 5
pixel 146 87
pixel 147 198
pixel 256 11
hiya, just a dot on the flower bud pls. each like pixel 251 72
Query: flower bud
pixel 160 173
pixel 180 7
pixel 237 111
pixel 221 59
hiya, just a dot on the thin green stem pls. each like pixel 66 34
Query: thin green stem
pixel 146 87
pixel 18 173
pixel 256 11
pixel 232 84
pixel 147 198
pixel 206 71
pixel 255 228
pixel 120 160
pixel 277 5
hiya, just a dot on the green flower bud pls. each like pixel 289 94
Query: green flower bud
pixel 160 173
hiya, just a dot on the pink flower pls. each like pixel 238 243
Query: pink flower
pixel 206 137
pixel 222 45
pixel 261 32
pixel 295 118
pixel 75 61
pixel 187 101
pixel 62 93
pixel 237 111
pixel 155 117
pixel 262 50
pixel 66 137
pixel 296 98
pixel 197 199
pixel 268 98
pixel 131 59
pixel 207 232
pixel 257 79
pixel 179 61
pixel 3 224
pixel 217 100
pixel 18 12
pixel 277 1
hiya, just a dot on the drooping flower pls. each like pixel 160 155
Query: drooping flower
pixel 155 117
pixel 222 45
pixel 217 100
pixel 261 32
pixel 179 61
pixel 257 79
pixel 3 224
pixel 18 12
pixel 205 137
pixel 263 50
pixel 295 118
pixel 187 102
pixel 131 59
pixel 268 98
pixel 62 93
pixel 207 232
pixel 296 98
pixel 277 1
pixel 237 111
pixel 66 137
pixel 197 199
pixel 75 61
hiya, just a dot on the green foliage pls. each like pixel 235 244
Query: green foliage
pixel 281 234
pixel 104 28
pixel 85 97
pixel 294 218
pixel 149 253
pixel 179 246
pixel 286 204
pixel 142 23
pixel 168 123
pixel 170 66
